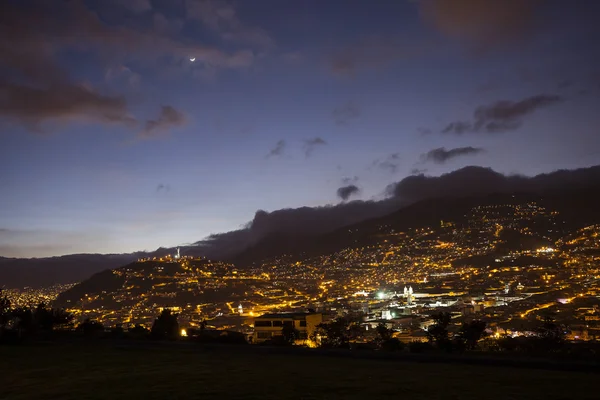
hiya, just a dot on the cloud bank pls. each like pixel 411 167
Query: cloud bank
pixel 465 182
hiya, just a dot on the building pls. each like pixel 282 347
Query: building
pixel 473 308
pixel 269 325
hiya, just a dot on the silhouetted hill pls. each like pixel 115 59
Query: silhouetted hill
pixel 577 207
pixel 38 272
pixel 163 283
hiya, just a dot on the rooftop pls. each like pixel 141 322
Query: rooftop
pixel 286 315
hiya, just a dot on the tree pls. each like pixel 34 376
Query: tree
pixel 117 331
pixel 165 326
pixel 384 332
pixel 5 312
pixel 289 334
pixel 355 330
pixel 551 335
pixel 61 319
pixel 385 341
pixel 471 332
pixel 46 319
pixel 23 321
pixel 333 334
pixel 138 331
pixel 438 332
pixel 90 327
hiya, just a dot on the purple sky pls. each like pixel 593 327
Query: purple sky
pixel 112 140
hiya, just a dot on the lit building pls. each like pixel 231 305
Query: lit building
pixel 269 325
pixel 408 294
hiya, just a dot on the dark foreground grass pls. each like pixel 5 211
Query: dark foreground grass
pixel 103 371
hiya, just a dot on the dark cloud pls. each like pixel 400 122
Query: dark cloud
pixel 482 23
pixel 417 171
pixel 471 181
pixel 502 116
pixel 345 192
pixel 297 221
pixel 468 181
pixel 36 87
pixel 458 127
pixel 390 163
pixel 311 144
pixel 441 155
pixel 346 113
pixel 277 150
pixel 30 106
pixel 508 110
pixel 167 119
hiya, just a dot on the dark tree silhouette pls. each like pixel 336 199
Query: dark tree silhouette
pixel 438 332
pixel 5 312
pixel 470 333
pixel 551 334
pixel 289 334
pixel 46 319
pixel 23 322
pixel 383 335
pixel 385 341
pixel 90 327
pixel 30 322
pixel 384 332
pixel 165 326
pixel 332 334
pixel 138 331
pixel 117 331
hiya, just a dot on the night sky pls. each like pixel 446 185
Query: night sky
pixel 112 140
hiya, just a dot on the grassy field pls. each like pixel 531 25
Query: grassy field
pixel 103 371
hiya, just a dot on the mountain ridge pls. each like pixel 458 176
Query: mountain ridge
pixel 278 226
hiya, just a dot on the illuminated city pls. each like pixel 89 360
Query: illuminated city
pixel 467 267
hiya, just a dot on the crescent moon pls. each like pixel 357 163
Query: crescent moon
pixel 193 59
